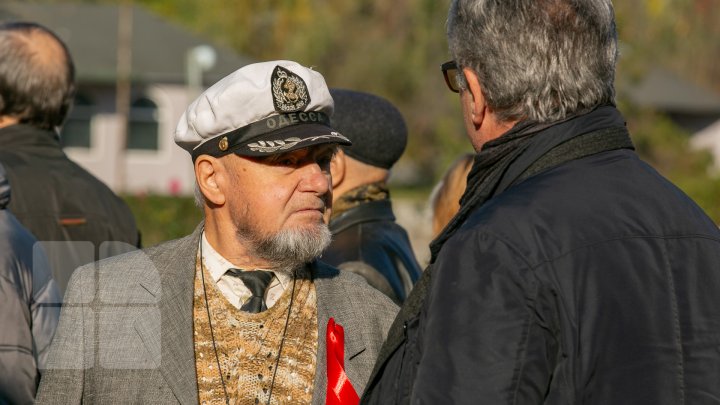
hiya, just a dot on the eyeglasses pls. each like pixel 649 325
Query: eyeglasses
pixel 451 73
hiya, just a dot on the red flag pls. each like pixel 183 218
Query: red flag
pixel 339 389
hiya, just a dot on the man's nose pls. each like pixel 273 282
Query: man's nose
pixel 315 179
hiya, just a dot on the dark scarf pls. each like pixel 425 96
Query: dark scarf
pixel 529 148
pixel 525 150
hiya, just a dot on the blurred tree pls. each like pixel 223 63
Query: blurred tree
pixel 683 35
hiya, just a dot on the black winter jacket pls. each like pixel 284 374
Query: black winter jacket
pixel 57 200
pixel 369 234
pixel 592 282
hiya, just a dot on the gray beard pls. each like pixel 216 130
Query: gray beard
pixel 290 249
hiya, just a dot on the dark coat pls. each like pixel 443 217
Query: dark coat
pixel 369 234
pixel 27 315
pixel 595 281
pixel 57 200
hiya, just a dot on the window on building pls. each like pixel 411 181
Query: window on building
pixel 76 130
pixel 143 125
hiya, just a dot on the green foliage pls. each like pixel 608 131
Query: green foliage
pixel 162 218
pixel 682 35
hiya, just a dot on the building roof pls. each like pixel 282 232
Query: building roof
pixel 90 31
pixel 662 90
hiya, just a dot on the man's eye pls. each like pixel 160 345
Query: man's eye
pixel 281 160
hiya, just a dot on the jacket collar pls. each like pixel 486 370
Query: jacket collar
pixel 506 160
pixel 380 210
pixel 546 139
pixel 362 194
pixel 23 134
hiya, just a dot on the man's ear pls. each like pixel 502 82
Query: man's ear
pixel 337 167
pixel 478 108
pixel 208 173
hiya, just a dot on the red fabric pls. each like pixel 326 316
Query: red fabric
pixel 339 389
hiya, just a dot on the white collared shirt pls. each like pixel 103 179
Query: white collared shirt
pixel 232 287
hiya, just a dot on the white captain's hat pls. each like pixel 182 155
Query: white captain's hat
pixel 260 109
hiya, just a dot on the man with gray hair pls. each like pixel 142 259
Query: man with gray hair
pixel 573 272
pixel 240 311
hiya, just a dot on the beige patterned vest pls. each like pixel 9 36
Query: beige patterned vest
pixel 247 346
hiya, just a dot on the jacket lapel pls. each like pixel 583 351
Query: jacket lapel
pixel 176 265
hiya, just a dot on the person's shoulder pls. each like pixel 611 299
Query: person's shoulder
pixel 136 263
pixel 14 233
pixel 160 252
pixel 131 277
pixel 327 273
pixel 353 288
pixel 16 245
pixel 187 241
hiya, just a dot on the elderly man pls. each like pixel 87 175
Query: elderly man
pixel 573 272
pixel 57 200
pixel 240 311
pixel 366 237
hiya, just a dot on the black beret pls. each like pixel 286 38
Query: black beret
pixel 375 127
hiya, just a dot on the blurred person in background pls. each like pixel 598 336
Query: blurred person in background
pixel 366 237
pixel 53 197
pixel 241 310
pixel 573 272
pixel 28 309
pixel 445 197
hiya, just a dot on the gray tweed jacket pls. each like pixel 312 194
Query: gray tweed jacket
pixel 126 329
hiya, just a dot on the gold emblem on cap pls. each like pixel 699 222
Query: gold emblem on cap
pixel 289 91
pixel 223 144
